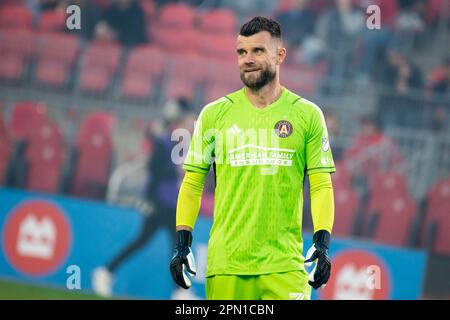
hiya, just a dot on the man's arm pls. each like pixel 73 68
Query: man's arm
pixel 322 201
pixel 322 210
pixel 189 200
pixel 188 206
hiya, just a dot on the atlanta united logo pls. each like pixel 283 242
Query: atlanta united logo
pixel 283 128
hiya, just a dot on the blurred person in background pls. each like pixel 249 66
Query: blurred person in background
pixel 298 22
pixel 440 96
pixel 410 23
pixel 160 195
pixel 340 29
pixel 123 21
pixel 371 151
pixel 401 82
pixel 375 42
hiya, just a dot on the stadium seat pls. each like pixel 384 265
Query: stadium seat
pixel 148 58
pixel 144 66
pixel 93 157
pixel 219 46
pixel 177 15
pixel 219 21
pixel 391 211
pixel 393 222
pixel 56 55
pixel 136 85
pixel 16 16
pixel 436 224
pixel 45 158
pixel 175 88
pixel 52 20
pixel 346 201
pixel 384 188
pixel 16 47
pixel 176 40
pixel 189 66
pixel 100 63
pixel 25 117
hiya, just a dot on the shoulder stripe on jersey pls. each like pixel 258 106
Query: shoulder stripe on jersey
pixel 295 101
pixel 227 97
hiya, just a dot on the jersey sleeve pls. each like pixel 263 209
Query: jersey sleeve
pixel 201 149
pixel 319 157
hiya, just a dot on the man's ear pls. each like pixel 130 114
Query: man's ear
pixel 281 55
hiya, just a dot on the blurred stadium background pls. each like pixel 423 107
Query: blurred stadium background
pixel 76 104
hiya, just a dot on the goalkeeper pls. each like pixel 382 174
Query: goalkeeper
pixel 263 139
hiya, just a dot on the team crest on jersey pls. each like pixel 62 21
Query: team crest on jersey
pixel 283 128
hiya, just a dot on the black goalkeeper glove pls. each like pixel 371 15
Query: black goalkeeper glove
pixel 318 253
pixel 183 260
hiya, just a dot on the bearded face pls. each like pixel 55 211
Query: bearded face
pixel 257 77
pixel 259 57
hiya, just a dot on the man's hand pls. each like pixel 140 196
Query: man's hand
pixel 183 260
pixel 318 253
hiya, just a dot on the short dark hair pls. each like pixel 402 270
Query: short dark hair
pixel 258 24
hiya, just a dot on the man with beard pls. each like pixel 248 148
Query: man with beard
pixel 263 139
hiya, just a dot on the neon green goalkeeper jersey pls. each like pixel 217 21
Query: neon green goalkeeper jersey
pixel 261 156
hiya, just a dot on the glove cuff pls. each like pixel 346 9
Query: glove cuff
pixel 184 238
pixel 322 239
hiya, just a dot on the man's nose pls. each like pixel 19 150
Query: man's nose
pixel 249 59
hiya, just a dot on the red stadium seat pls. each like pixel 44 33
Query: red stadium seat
pixel 11 67
pixel 94 155
pixel 100 63
pixel 25 117
pixel 438 213
pixel 147 58
pixel 176 40
pixel 136 85
pixel 219 21
pixel 16 47
pixel 45 158
pixel 385 187
pixel 52 20
pixel 346 201
pixel 177 15
pixel 56 55
pixel 176 88
pixel 144 66
pixel 390 207
pixel 16 16
pixel 394 221
pixel 219 46
pixel 190 67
